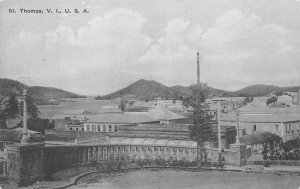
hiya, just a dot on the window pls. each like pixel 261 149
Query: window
pixel 98 127
pixel 82 129
pixel 116 128
pixel 104 127
pixel 70 129
pixel 290 129
pixel 286 129
pixel 109 128
pixel 254 128
pixel 276 128
pixel 76 129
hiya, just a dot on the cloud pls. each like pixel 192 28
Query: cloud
pixel 251 49
pixel 238 50
pixel 114 49
pixel 109 44
pixel 171 58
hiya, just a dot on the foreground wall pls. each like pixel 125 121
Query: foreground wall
pixel 64 157
pixel 25 163
pixel 32 162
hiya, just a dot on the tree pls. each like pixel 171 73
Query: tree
pixel 272 99
pixel 201 131
pixel 32 109
pixel 38 124
pixel 11 109
pixel 122 105
pixel 2 120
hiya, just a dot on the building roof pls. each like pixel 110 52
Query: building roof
pixel 76 112
pixel 157 127
pixel 120 118
pixel 154 142
pixel 160 113
pixel 71 116
pixel 261 118
pixel 288 110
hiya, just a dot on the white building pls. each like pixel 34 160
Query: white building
pixel 284 122
pixel 110 122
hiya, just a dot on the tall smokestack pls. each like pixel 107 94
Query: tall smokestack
pixel 198 71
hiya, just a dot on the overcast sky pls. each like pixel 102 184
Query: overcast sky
pixel 121 41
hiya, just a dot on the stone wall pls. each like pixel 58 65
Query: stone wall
pixel 25 163
pixel 59 158
pixel 29 163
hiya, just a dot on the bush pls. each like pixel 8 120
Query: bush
pixel 289 150
pixel 160 162
pixel 140 163
pixel 175 163
pixel 266 163
pixel 190 164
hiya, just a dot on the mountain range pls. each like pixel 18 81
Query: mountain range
pixel 146 90
pixel 40 95
pixel 141 89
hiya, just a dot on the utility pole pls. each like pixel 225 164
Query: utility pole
pixel 199 150
pixel 237 127
pixel 219 128
pixel 25 136
pixel 219 131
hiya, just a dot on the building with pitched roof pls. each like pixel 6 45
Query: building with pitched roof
pixel 284 122
pixel 110 122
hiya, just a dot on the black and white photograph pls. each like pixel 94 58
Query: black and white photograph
pixel 150 94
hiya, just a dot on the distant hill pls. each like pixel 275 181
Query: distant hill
pixel 40 95
pixel 261 90
pixel 146 90
pixel 204 86
pixel 142 89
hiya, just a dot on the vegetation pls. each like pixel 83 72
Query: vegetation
pixel 201 131
pixel 248 99
pixel 122 105
pixel 32 110
pixel 38 124
pixel 271 100
pixel 259 138
pixel 279 150
pixel 13 109
pixel 2 120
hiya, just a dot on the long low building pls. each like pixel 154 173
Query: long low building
pixel 284 123
pixel 172 130
pixel 110 122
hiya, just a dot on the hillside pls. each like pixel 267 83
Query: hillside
pixel 204 86
pixel 146 90
pixel 40 95
pixel 261 90
pixel 142 89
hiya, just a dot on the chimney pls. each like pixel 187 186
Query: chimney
pixel 198 70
